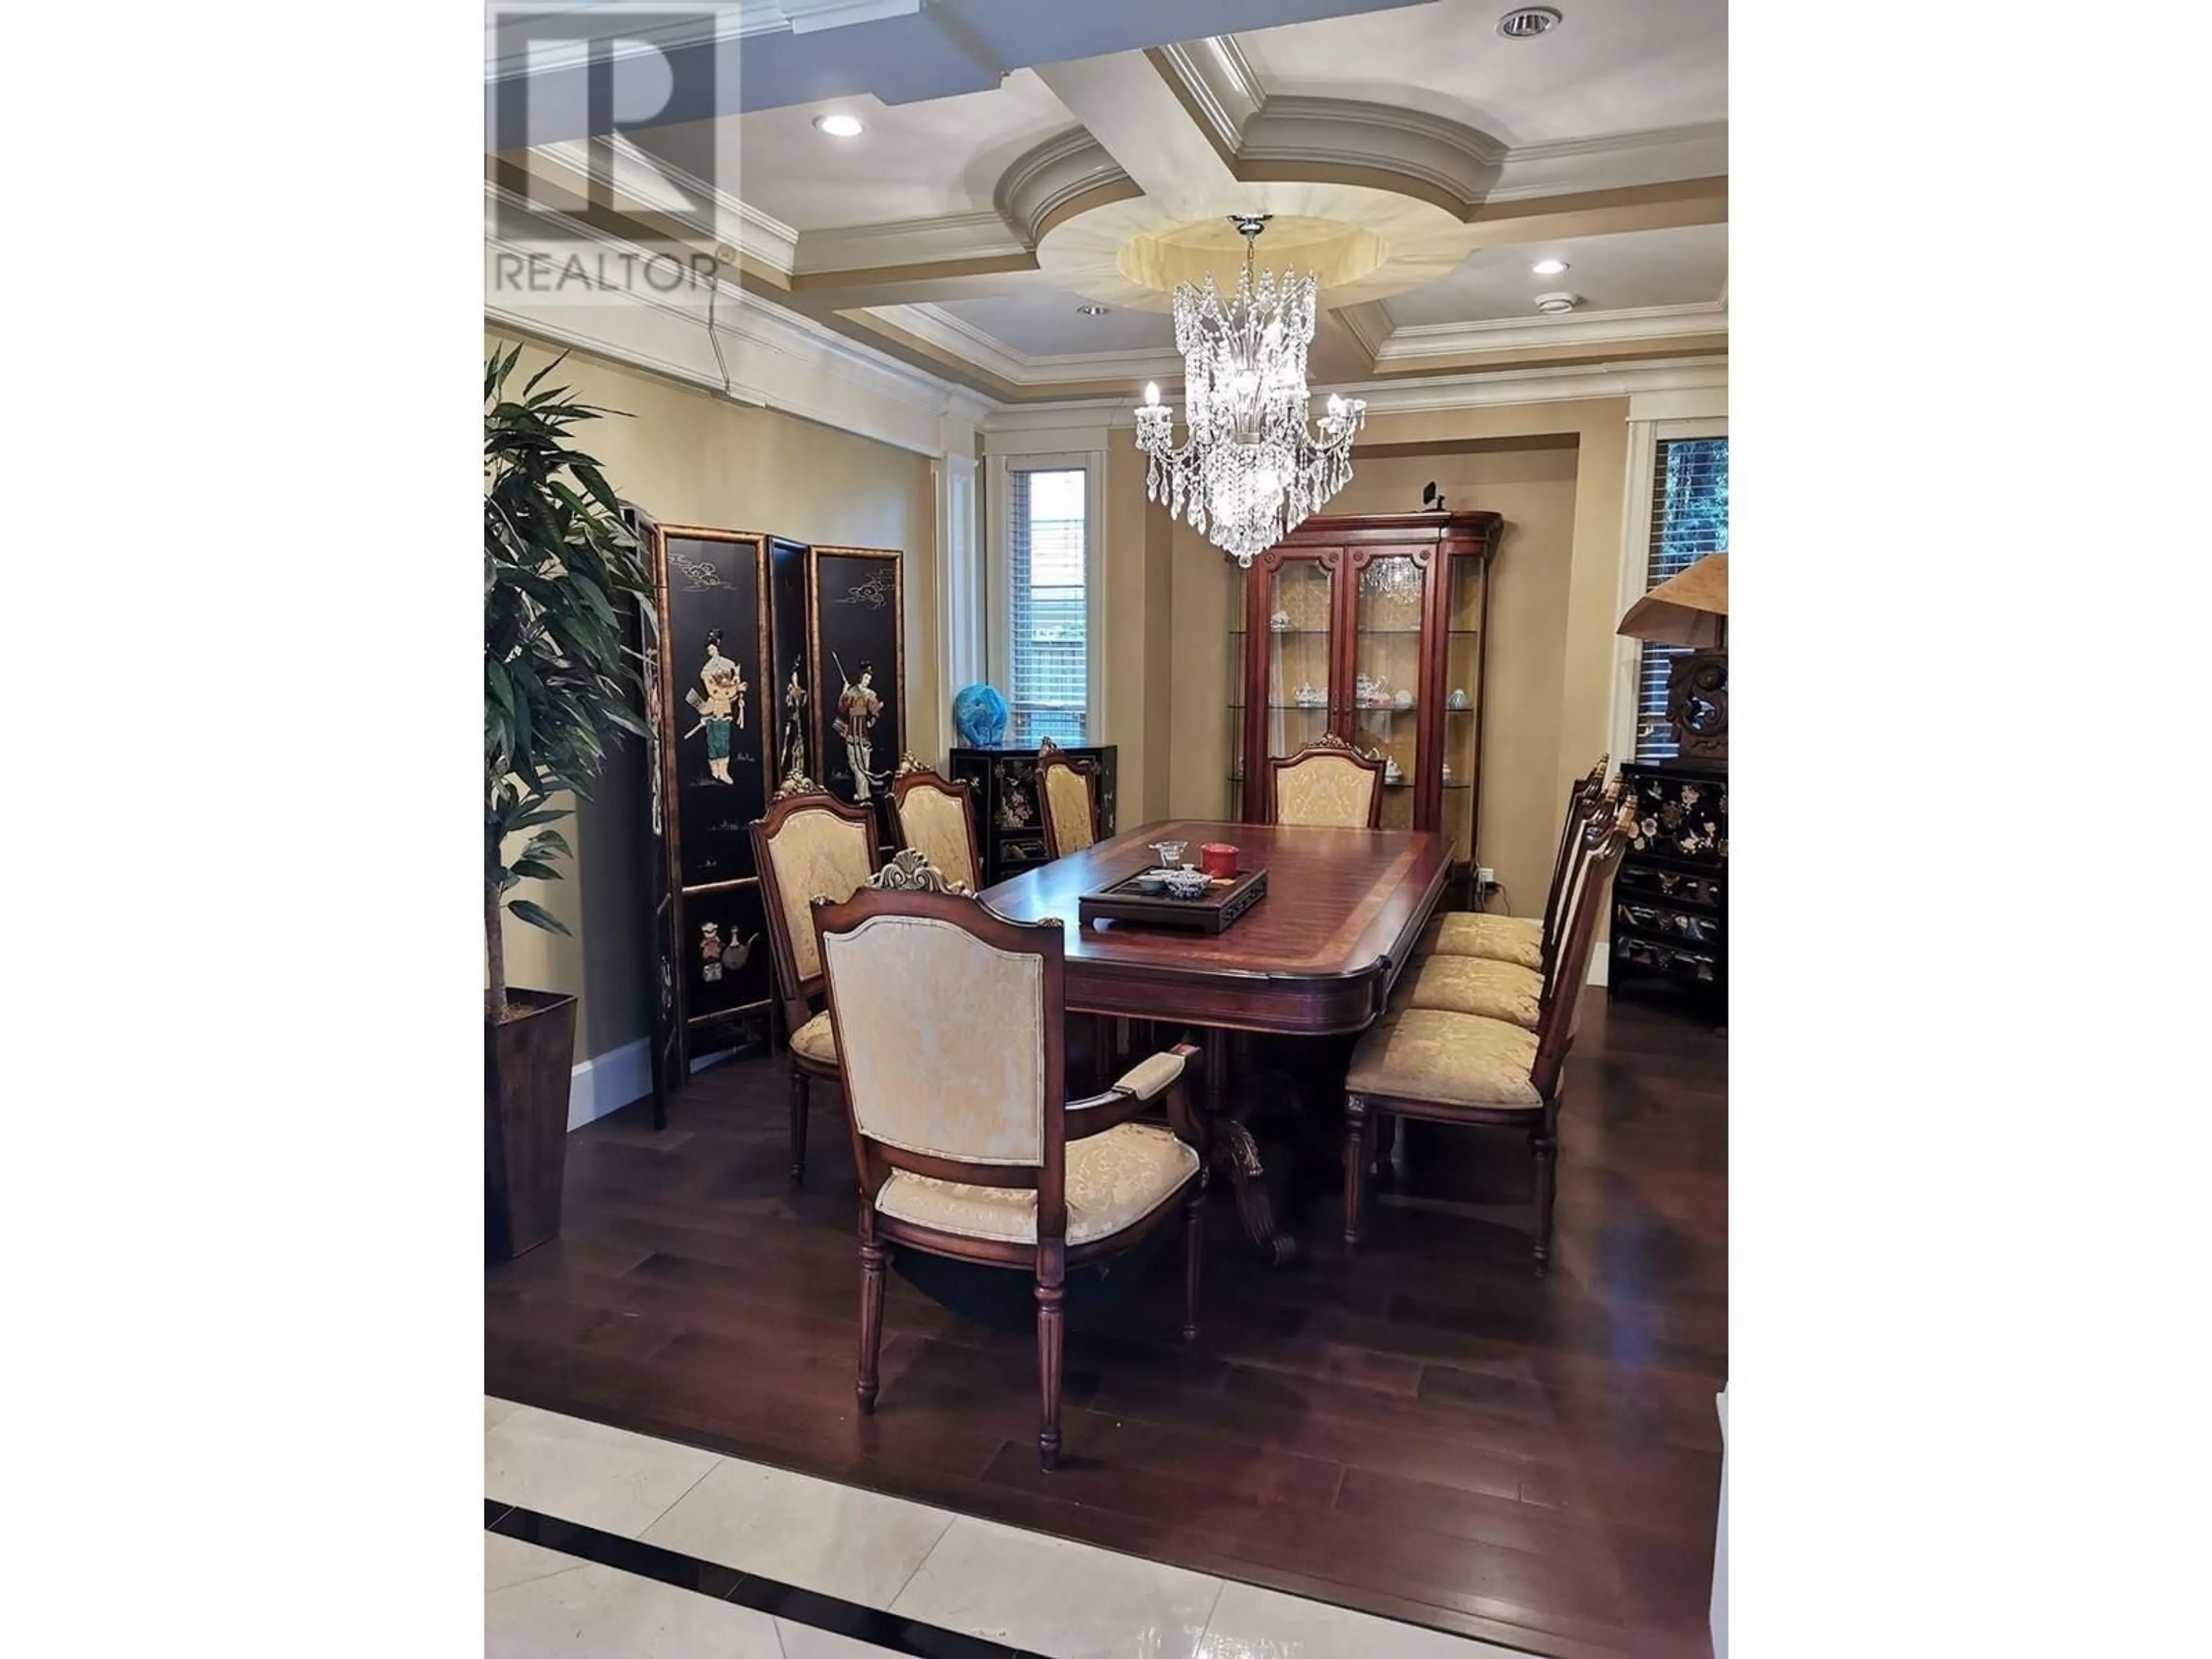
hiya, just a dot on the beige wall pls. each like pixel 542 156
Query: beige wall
pixel 1556 471
pixel 692 459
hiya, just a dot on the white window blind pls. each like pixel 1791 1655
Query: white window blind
pixel 1689 519
pixel 1047 612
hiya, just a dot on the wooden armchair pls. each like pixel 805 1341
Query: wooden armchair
pixel 949 1017
pixel 1328 783
pixel 1465 1068
pixel 936 817
pixel 1068 800
pixel 808 843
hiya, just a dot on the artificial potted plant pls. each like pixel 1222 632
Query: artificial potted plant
pixel 560 684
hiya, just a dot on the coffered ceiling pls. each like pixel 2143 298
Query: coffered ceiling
pixel 1021 165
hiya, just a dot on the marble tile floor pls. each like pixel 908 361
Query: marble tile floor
pixel 602 1544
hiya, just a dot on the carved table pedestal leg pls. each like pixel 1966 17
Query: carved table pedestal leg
pixel 1236 1157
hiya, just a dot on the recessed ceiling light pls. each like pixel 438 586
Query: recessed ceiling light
pixel 1549 267
pixel 1526 23
pixel 1557 302
pixel 1091 310
pixel 839 126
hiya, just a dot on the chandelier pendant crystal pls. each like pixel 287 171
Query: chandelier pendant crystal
pixel 1252 468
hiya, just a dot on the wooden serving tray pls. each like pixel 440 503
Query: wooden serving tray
pixel 1226 899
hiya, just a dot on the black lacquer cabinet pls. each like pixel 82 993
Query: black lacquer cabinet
pixel 1670 895
pixel 1008 815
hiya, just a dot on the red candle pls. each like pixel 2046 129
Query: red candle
pixel 1217 858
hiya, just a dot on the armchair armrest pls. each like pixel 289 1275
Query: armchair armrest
pixel 1149 1079
pixel 1152 1074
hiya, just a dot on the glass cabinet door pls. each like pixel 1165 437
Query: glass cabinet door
pixel 1300 692
pixel 1384 695
pixel 1464 610
pixel 1235 697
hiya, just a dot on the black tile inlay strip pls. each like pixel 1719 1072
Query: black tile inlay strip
pixel 768 1596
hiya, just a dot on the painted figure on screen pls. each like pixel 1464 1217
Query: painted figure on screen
pixel 859 708
pixel 793 746
pixel 720 698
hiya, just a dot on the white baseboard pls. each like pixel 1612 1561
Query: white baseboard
pixel 607 1083
pixel 1601 968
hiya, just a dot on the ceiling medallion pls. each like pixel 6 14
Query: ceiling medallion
pixel 1252 468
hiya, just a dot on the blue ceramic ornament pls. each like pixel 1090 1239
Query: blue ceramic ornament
pixel 980 714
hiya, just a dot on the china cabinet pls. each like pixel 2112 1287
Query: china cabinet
pixel 1369 626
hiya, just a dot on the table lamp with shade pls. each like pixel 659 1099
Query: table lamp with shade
pixel 1691 608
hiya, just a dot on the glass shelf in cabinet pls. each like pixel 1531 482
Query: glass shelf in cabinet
pixel 1289 707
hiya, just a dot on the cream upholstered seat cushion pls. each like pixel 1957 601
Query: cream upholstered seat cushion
pixel 1502 939
pixel 935 824
pixel 1454 1060
pixel 1115 1180
pixel 1330 790
pixel 815 853
pixel 1473 985
pixel 816 1040
pixel 1067 798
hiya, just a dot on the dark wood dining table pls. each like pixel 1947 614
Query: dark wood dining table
pixel 1317 956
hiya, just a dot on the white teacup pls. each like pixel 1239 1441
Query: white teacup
pixel 1188 883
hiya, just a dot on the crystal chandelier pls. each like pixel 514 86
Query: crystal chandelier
pixel 1252 469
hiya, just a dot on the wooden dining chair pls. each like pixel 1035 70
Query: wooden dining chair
pixel 937 818
pixel 1329 783
pixel 1464 1068
pixel 949 1017
pixel 807 843
pixel 1067 800
pixel 1522 940
pixel 1467 983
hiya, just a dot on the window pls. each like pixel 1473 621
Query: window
pixel 1047 690
pixel 1689 519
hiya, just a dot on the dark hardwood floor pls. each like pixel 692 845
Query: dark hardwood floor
pixel 1425 1432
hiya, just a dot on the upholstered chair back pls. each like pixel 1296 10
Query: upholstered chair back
pixel 808 843
pixel 1592 860
pixel 1071 800
pixel 936 817
pixel 1583 799
pixel 949 1020
pixel 1328 783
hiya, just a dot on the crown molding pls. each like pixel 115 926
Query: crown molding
pixel 1616 161
pixel 898 243
pixel 1045 181
pixel 1216 85
pixel 962 339
pixel 1368 323
pixel 640 181
pixel 1475 390
pixel 1340 135
pixel 1632 323
pixel 775 358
